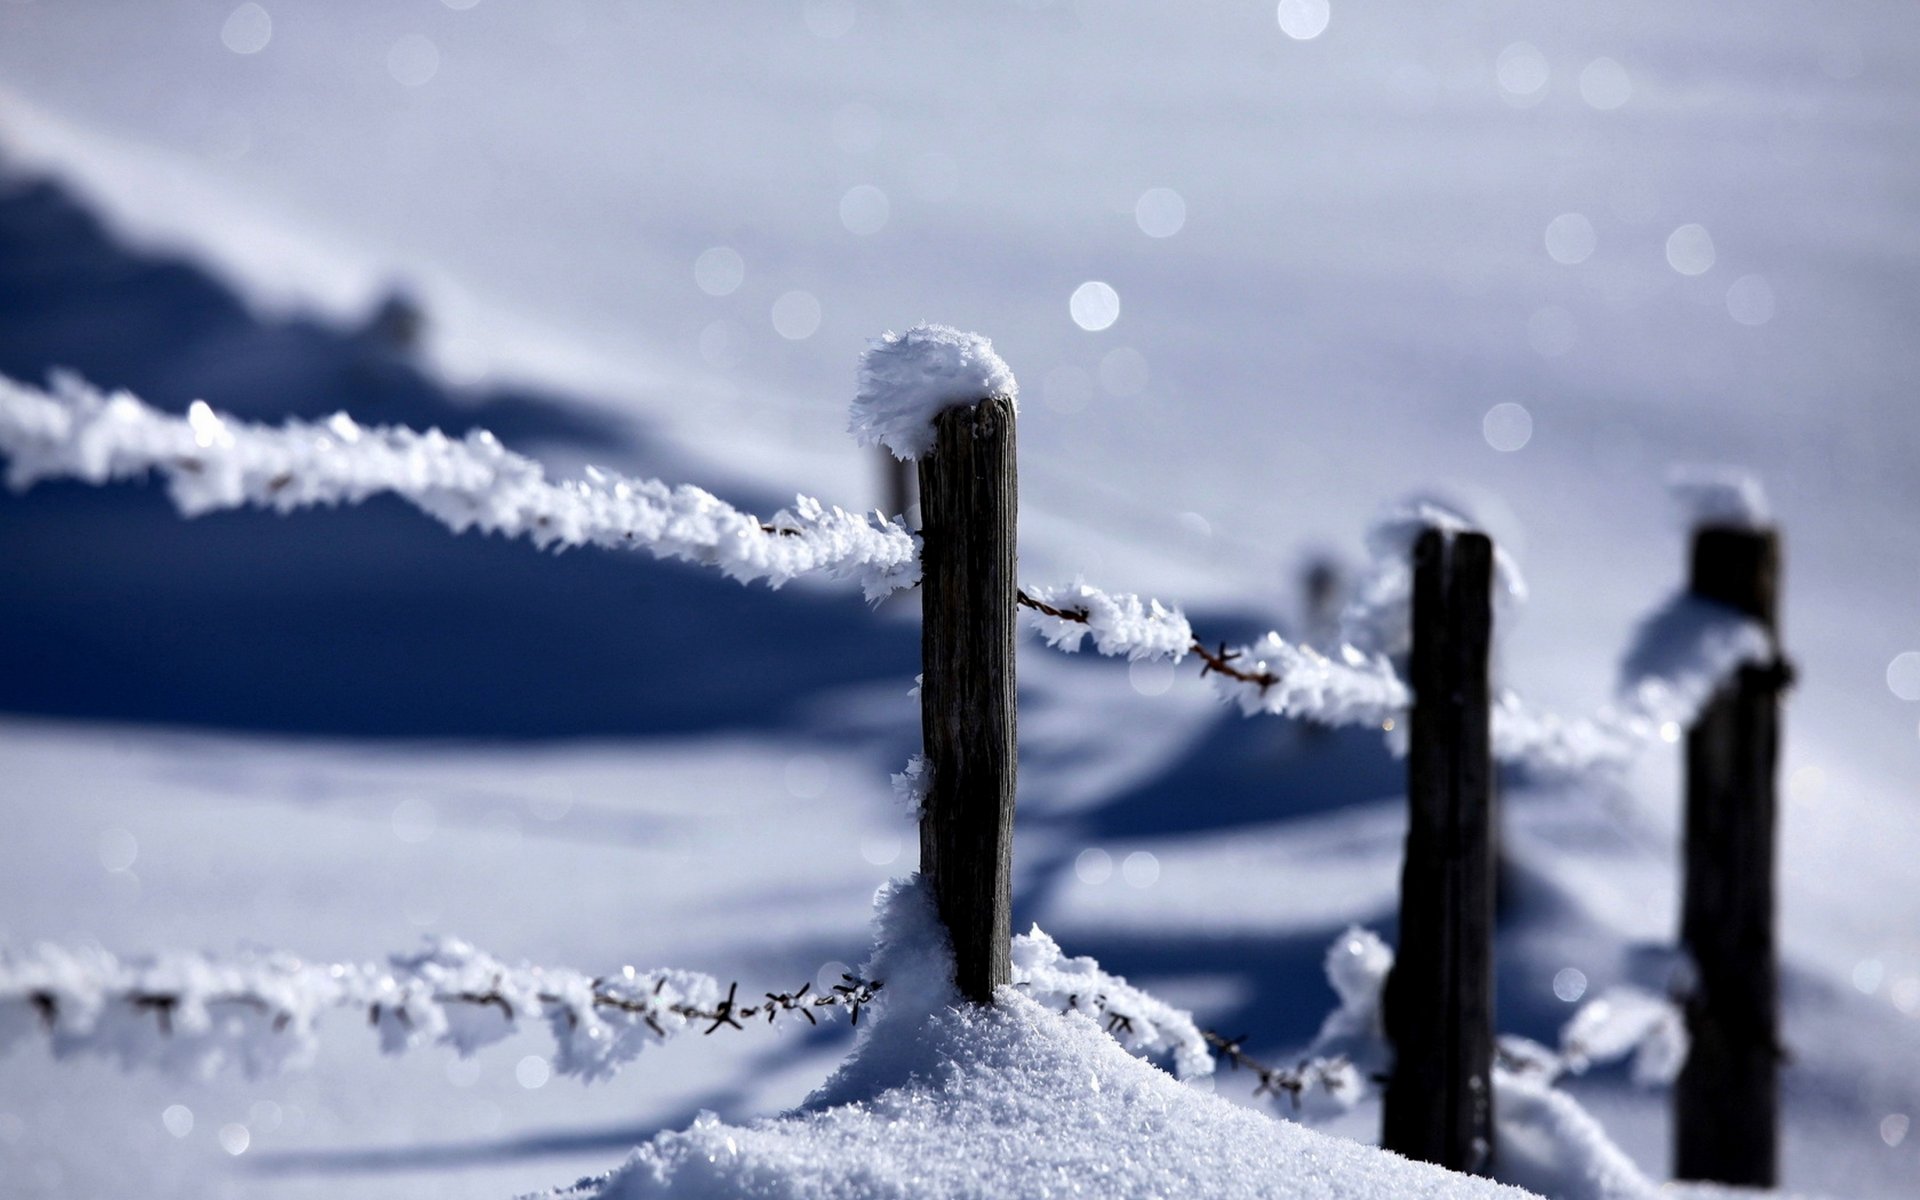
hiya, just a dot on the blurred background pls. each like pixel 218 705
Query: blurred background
pixel 1261 272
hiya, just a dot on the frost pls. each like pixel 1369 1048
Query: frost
pixel 908 379
pixel 1121 625
pixel 1681 655
pixel 911 785
pixel 1016 1099
pixel 1378 619
pixel 259 1012
pixel 1684 652
pixel 1552 1146
pixel 1353 689
pixel 212 462
pixel 1138 1021
pixel 1628 1020
pixel 1719 496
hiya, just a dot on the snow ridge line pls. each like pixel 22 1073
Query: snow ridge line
pixel 211 462
pixel 261 1010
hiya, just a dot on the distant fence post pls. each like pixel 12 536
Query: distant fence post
pixel 968 510
pixel 1438 1005
pixel 1726 1101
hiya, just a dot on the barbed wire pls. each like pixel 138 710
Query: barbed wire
pixel 852 994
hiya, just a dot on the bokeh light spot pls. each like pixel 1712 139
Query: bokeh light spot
pixel 719 270
pixel 1570 239
pixel 1521 71
pixel 1750 300
pixel 1094 306
pixel 1141 869
pixel 864 210
pixel 1160 212
pixel 1093 865
pixel 1903 675
pixel 1304 20
pixel 532 1072
pixel 1507 426
pixel 118 849
pixel 413 60
pixel 178 1119
pixel 796 316
pixel 247 29
pixel 1690 250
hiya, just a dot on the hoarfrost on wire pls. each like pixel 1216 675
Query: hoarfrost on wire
pixel 908 379
pixel 259 1012
pixel 1120 624
pixel 1354 688
pixel 1138 1021
pixel 211 462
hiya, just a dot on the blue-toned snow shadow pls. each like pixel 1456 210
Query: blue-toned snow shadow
pixel 371 621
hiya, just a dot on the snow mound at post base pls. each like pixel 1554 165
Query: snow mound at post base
pixel 908 379
pixel 1024 1102
pixel 1018 1100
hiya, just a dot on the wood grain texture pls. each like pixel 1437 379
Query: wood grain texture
pixel 1438 1002
pixel 969 506
pixel 1726 1101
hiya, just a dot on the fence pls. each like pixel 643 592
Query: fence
pixel 945 399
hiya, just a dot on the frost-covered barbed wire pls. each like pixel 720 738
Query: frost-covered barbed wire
pixel 211 462
pixel 1681 654
pixel 1272 675
pixel 1621 1022
pixel 1140 1022
pixel 260 1011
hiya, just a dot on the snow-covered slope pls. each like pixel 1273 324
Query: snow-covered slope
pixel 943 1099
pixel 1460 247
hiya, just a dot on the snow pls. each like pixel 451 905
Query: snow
pixel 1725 496
pixel 1379 619
pixel 1014 1100
pixel 1352 689
pixel 210 463
pixel 1685 651
pixel 908 379
pixel 1121 625
pixel 1628 1020
pixel 1138 1021
pixel 1551 1146
pixel 1361 276
pixel 195 1014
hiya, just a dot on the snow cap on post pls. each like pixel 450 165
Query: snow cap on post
pixel 908 379
pixel 1721 496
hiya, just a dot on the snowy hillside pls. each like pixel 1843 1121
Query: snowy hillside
pixel 1261 276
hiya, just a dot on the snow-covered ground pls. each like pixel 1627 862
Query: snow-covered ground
pixel 1340 261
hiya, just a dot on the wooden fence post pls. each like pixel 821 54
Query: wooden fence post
pixel 969 502
pixel 1438 1003
pixel 1726 1101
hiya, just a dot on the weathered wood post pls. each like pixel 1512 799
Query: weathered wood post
pixel 969 501
pixel 1726 1102
pixel 1438 1004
